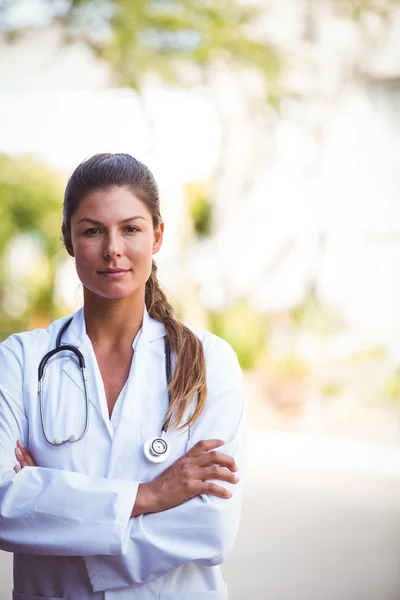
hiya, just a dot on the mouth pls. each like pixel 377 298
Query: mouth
pixel 113 273
pixel 116 270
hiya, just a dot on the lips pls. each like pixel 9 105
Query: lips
pixel 113 274
pixel 117 270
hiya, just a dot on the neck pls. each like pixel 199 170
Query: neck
pixel 113 323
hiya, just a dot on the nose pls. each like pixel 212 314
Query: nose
pixel 112 246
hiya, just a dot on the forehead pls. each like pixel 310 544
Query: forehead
pixel 111 203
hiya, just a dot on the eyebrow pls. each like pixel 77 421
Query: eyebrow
pixel 94 222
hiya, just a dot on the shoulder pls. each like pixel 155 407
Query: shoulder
pixel 225 403
pixel 222 363
pixel 18 344
pixel 216 348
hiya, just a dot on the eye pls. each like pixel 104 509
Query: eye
pixel 92 231
pixel 131 229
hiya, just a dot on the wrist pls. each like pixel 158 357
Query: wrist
pixel 145 500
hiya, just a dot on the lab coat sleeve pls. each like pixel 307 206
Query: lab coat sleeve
pixel 204 528
pixel 49 511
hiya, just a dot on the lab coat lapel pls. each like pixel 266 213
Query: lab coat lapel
pixel 76 335
pixel 143 383
pixel 148 356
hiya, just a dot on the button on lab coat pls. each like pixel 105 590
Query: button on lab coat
pixel 68 520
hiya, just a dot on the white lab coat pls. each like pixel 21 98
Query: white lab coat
pixel 68 520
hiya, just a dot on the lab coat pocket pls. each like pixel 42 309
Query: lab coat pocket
pixel 221 594
pixel 18 596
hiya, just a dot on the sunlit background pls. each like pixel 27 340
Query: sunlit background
pixel 273 130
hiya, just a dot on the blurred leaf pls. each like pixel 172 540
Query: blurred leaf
pixel 30 203
pixel 162 36
pixel 368 354
pixel 312 315
pixel 357 9
pixel 244 329
pixel 288 366
pixel 200 207
pixel 332 388
pixel 392 387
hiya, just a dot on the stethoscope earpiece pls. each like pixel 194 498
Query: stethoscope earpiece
pixel 58 441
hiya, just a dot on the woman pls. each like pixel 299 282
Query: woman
pixel 89 506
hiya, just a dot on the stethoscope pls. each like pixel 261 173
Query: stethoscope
pixel 155 449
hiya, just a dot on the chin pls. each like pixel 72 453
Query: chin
pixel 113 293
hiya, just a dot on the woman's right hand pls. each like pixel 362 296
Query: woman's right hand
pixel 186 477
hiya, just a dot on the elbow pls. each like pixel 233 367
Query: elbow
pixel 222 549
pixel 222 528
pixel 219 549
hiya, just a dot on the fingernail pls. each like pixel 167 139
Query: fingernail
pixel 237 479
pixel 18 451
pixel 21 443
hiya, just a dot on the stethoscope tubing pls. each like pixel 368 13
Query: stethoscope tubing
pixel 151 447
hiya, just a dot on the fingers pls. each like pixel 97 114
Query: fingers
pixel 217 472
pixel 204 446
pixel 205 452
pixel 213 489
pixel 217 458
pixel 23 457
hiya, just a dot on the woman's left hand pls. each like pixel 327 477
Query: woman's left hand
pixel 23 457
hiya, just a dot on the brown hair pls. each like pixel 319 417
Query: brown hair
pixel 102 171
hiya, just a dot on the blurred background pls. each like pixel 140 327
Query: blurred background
pixel 273 130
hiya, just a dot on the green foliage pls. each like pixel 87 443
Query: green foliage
pixel 392 387
pixel 314 316
pixel 288 366
pixel 331 388
pixel 200 208
pixel 358 9
pixel 30 209
pixel 164 36
pixel 369 354
pixel 244 329
pixel 30 200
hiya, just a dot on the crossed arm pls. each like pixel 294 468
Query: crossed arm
pixel 190 475
pixel 211 519
pixel 49 511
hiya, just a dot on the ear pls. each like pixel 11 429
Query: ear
pixel 70 251
pixel 158 237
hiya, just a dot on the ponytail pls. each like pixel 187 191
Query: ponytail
pixel 189 378
pixel 103 171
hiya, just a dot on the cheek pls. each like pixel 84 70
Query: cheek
pixel 141 257
pixel 85 256
pixel 140 249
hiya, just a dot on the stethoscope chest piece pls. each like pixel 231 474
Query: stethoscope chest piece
pixel 156 450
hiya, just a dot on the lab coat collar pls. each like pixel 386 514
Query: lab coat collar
pixel 151 329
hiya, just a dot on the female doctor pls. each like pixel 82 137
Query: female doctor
pixel 121 429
